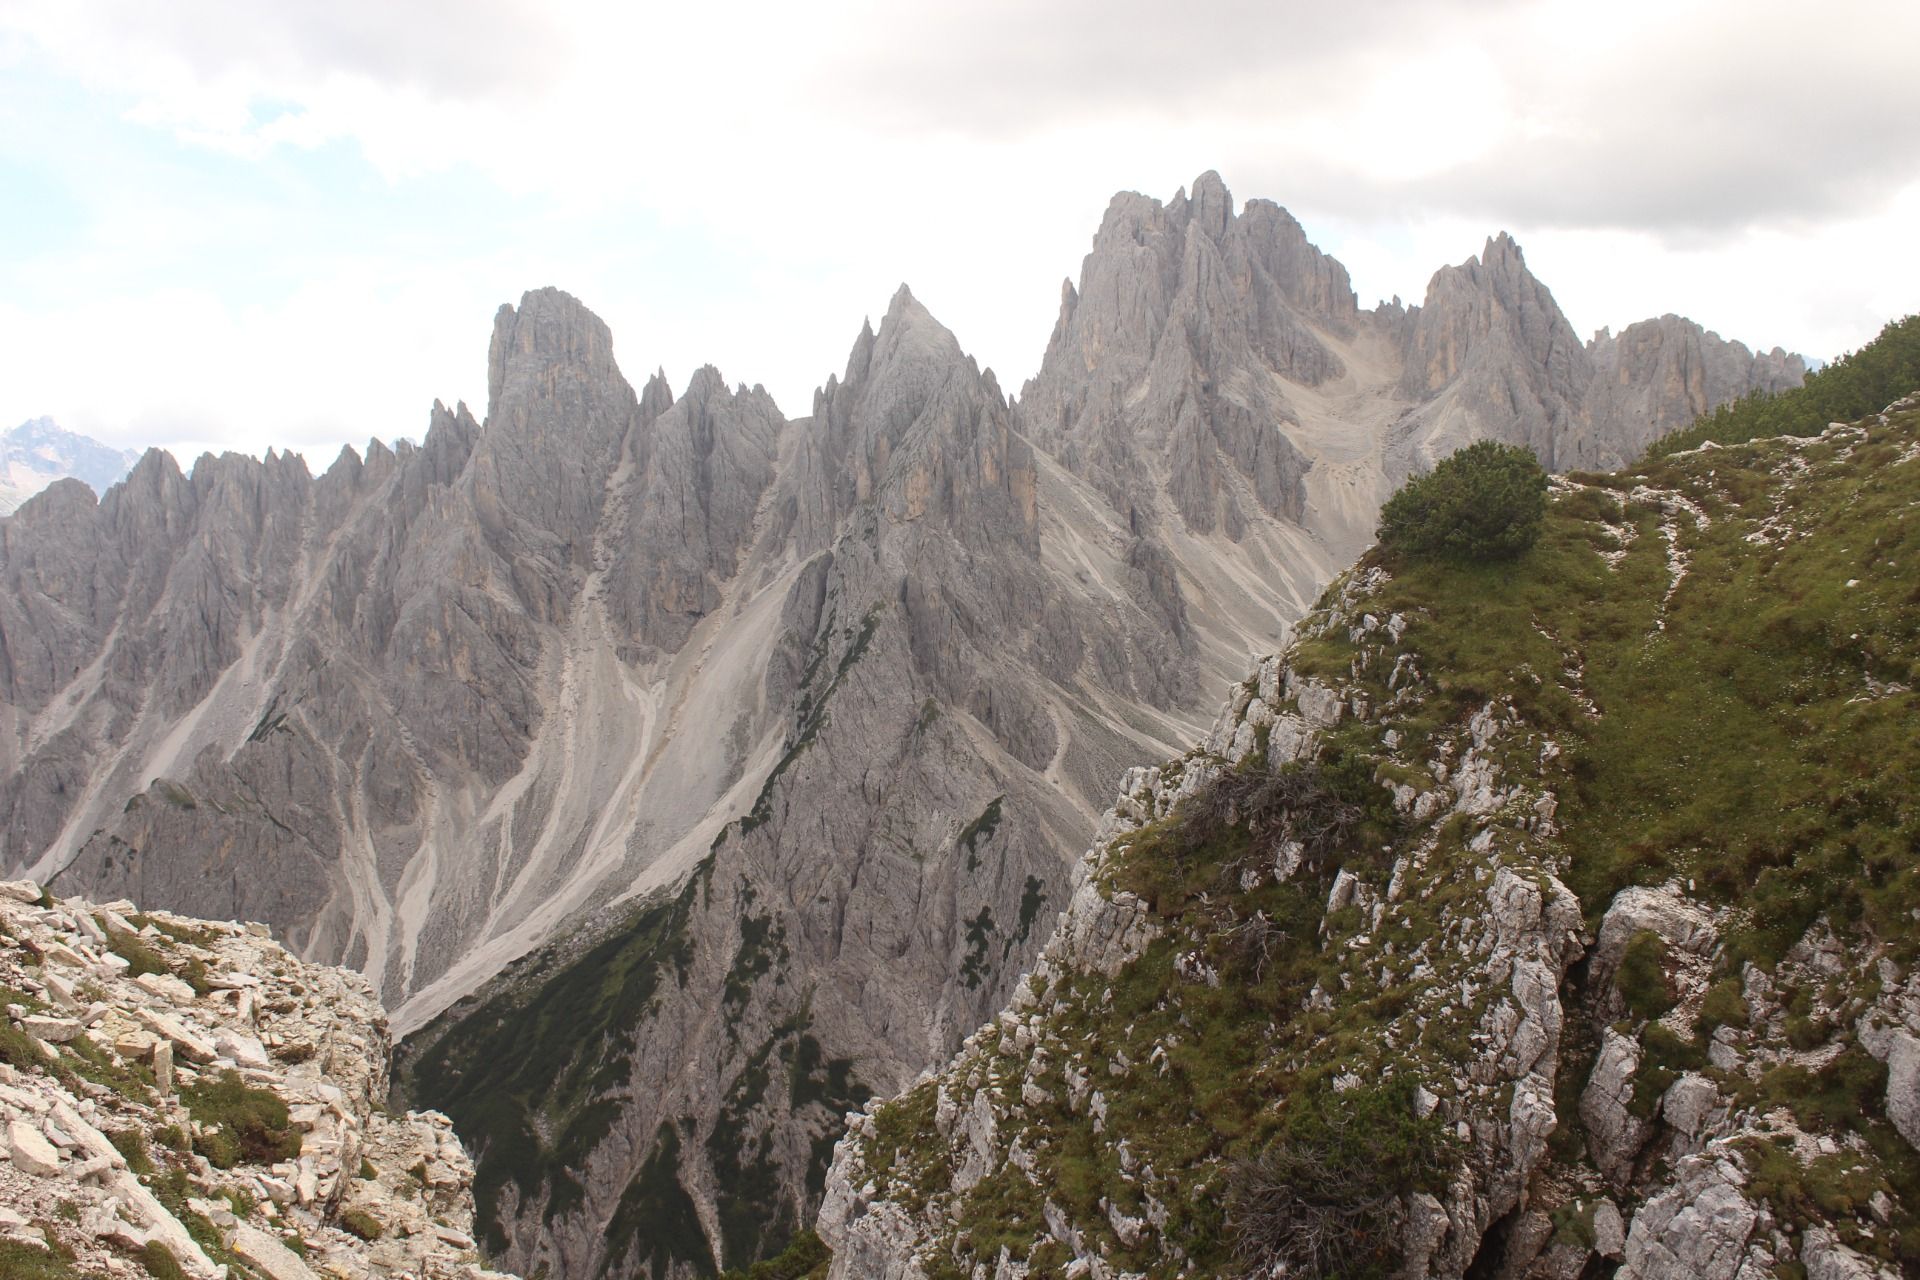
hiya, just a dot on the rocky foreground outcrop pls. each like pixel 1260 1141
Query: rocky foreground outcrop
pixel 185 1097
pixel 1549 922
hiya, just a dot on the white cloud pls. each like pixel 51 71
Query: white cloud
pixel 742 183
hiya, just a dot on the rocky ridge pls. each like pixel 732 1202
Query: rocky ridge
pixel 1256 1001
pixel 186 1097
pixel 801 719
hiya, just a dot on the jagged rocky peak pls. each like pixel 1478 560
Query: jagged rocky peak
pixel 558 413
pixel 60 502
pixel 1242 280
pixel 1491 307
pixel 917 427
pixel 1669 369
pixel 1489 354
pixel 550 327
pixel 187 1092
pixel 688 492
pixel 1171 357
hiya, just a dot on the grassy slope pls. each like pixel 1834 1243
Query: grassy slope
pixel 1738 739
pixel 1731 696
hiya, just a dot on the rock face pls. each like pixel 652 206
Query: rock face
pixel 1490 356
pixel 1294 1025
pixel 274 1148
pixel 803 718
pixel 1071 1062
pixel 38 452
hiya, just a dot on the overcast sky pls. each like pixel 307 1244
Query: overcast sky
pixel 235 224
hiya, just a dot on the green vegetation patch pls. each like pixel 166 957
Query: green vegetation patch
pixel 751 1208
pixel 1484 502
pixel 173 1189
pixel 975 966
pixel 806 1257
pixel 1642 977
pixel 1033 896
pixel 132 1144
pixel 526 1074
pixel 160 1262
pixel 1326 1194
pixel 1209 1081
pixel 22 1261
pixel 979 832
pixel 358 1222
pixel 18 1049
pixel 1733 694
pixel 83 1058
pixel 132 948
pixel 239 1122
pixel 656 1213
pixel 763 945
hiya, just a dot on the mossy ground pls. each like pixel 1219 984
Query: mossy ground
pixel 1752 731
pixel 239 1122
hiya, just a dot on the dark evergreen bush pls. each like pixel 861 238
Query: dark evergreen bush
pixel 1485 502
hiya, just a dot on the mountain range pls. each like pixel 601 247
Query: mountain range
pixel 39 451
pixel 685 773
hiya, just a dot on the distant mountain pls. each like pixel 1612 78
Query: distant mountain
pixel 39 451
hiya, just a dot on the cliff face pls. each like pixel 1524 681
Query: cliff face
pixel 1473 941
pixel 940 689
pixel 795 724
pixel 188 1091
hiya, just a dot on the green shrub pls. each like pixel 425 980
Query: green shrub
pixel 242 1123
pixel 140 957
pixel 1326 1197
pixel 1642 978
pixel 805 1255
pixel 160 1262
pixel 1724 1006
pixel 1485 502
pixel 361 1223
pixel 1805 1033
pixel 132 1144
